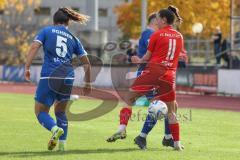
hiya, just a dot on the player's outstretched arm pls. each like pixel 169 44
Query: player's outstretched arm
pixel 87 69
pixel 31 54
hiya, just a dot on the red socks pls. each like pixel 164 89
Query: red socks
pixel 175 131
pixel 125 115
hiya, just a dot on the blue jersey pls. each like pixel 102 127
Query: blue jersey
pixel 143 42
pixel 142 46
pixel 142 49
pixel 59 45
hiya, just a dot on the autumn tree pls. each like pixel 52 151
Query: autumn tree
pixel 2 2
pixel 17 29
pixel 210 13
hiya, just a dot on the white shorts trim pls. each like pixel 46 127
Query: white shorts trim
pixel 56 78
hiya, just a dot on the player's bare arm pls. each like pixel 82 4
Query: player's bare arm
pixel 144 59
pixel 87 69
pixel 31 54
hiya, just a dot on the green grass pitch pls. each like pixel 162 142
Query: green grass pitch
pixel 206 134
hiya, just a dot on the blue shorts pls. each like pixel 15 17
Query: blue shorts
pixel 51 90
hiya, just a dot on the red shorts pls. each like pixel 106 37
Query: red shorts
pixel 158 79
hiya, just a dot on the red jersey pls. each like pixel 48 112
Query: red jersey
pixel 160 72
pixel 165 46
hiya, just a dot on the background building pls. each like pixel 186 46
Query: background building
pixel 106 17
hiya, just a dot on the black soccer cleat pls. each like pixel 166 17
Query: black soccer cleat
pixel 141 142
pixel 168 142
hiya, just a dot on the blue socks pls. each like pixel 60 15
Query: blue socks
pixel 148 125
pixel 62 122
pixel 46 120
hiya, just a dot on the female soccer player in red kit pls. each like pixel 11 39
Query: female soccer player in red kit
pixel 162 55
pixel 164 48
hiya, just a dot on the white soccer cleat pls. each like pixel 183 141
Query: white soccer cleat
pixel 178 146
pixel 56 133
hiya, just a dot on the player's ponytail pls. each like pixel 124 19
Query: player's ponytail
pixel 176 12
pixel 170 14
pixel 63 15
pixel 75 16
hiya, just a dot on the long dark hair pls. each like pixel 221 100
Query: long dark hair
pixel 151 17
pixel 64 15
pixel 170 13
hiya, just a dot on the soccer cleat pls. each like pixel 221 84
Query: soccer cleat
pixel 116 136
pixel 141 142
pixel 178 146
pixel 168 142
pixel 54 139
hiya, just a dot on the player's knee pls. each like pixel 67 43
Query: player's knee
pixel 129 100
pixel 36 113
pixel 61 117
pixel 37 110
pixel 61 106
pixel 172 118
pixel 59 109
pixel 40 108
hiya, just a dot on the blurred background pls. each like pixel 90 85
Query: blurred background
pixel 211 31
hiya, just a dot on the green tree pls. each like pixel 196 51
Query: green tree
pixel 2 3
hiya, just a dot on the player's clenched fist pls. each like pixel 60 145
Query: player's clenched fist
pixel 135 59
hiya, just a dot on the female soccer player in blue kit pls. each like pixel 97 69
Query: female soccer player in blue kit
pixel 57 75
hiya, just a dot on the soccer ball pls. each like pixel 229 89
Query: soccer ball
pixel 74 97
pixel 158 109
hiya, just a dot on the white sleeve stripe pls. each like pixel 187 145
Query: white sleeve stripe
pixel 85 54
pixel 36 40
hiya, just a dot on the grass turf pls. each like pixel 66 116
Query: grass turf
pixel 206 134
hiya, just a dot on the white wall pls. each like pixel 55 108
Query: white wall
pixel 103 78
pixel 229 81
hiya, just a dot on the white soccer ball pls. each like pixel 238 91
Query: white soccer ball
pixel 158 109
pixel 74 97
